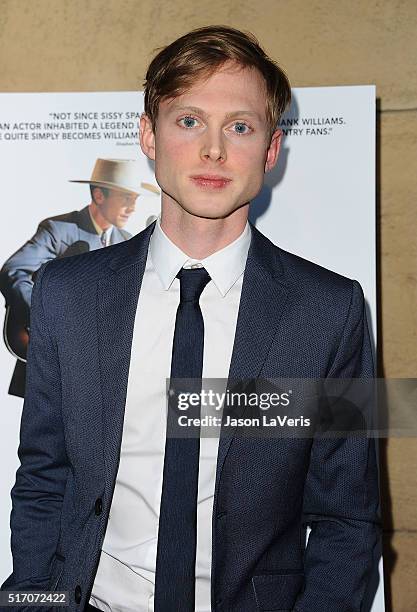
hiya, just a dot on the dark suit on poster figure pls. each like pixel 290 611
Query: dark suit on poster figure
pixel 295 319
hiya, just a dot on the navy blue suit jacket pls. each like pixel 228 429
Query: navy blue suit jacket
pixel 296 319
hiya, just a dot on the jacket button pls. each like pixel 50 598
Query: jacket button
pixel 98 506
pixel 77 594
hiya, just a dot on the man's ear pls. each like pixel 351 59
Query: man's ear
pixel 99 196
pixel 147 136
pixel 273 150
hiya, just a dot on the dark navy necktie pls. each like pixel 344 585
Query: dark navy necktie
pixel 177 534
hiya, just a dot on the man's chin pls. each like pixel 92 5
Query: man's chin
pixel 201 207
pixel 213 212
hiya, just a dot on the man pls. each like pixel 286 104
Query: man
pixel 125 516
pixel 114 186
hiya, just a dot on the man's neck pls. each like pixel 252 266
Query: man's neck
pixel 199 237
pixel 98 217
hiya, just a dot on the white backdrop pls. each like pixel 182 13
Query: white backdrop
pixel 319 202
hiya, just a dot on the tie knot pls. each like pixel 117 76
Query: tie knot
pixel 192 283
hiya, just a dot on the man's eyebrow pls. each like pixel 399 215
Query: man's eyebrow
pixel 200 111
pixel 239 113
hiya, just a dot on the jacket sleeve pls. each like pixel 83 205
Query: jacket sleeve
pixel 38 491
pixel 341 498
pixel 16 274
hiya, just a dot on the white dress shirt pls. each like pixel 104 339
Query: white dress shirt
pixel 125 577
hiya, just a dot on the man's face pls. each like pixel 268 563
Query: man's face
pixel 212 144
pixel 117 206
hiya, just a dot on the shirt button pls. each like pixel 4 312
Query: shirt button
pixel 98 506
pixel 77 594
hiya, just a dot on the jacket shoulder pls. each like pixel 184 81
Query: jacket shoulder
pixel 310 280
pixel 299 269
pixel 125 234
pixel 68 217
pixel 86 268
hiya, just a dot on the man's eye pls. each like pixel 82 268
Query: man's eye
pixel 188 122
pixel 241 128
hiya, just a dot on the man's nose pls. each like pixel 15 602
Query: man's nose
pixel 213 146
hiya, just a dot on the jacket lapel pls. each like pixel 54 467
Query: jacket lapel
pixel 116 236
pixel 84 221
pixel 264 293
pixel 117 298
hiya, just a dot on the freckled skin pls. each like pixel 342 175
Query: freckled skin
pixel 217 127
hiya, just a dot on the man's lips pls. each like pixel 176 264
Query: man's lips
pixel 211 181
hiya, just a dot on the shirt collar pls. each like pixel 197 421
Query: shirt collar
pixel 224 266
pixel 98 228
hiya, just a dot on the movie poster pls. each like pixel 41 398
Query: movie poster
pixel 319 202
